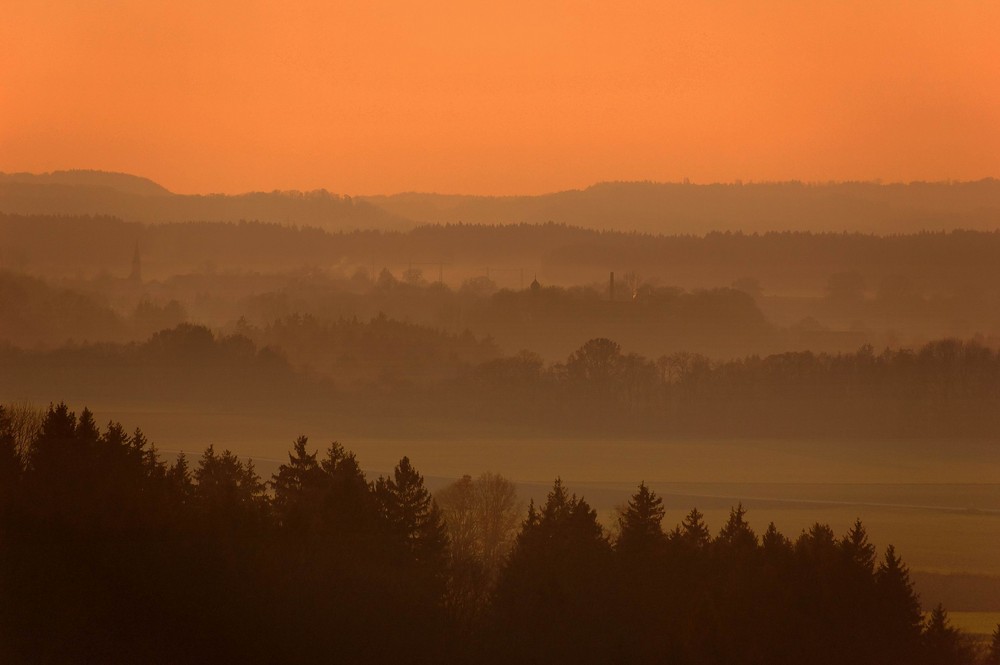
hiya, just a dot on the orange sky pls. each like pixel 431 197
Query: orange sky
pixel 499 97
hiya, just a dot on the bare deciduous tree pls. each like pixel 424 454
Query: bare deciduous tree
pixel 25 421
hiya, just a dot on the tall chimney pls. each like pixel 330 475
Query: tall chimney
pixel 611 286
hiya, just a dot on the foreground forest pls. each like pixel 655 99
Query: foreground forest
pixel 110 554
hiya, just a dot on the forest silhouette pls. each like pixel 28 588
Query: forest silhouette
pixel 111 554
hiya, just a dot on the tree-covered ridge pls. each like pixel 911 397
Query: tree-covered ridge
pixel 124 183
pixel 110 554
pixel 379 350
pixel 36 314
pixel 945 389
pixel 955 260
pixel 141 200
pixel 293 358
pixel 640 206
pixel 754 207
pixel 818 291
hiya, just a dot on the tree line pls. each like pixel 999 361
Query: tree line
pixel 957 262
pixel 946 388
pixel 110 554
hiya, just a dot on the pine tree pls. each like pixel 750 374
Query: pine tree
pixel 942 643
pixel 87 431
pixel 854 602
pixel 147 451
pixel 817 550
pixel 899 615
pixel 60 476
pixel 993 655
pixel 566 526
pixel 229 495
pixel 180 486
pixel 349 505
pixel 553 596
pixel 692 532
pixel 774 543
pixel 55 443
pixel 298 486
pixel 736 535
pixel 411 514
pixel 857 549
pixel 640 524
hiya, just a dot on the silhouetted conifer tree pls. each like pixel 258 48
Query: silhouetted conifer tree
pixel 411 514
pixel 298 489
pixel 774 543
pixel 179 487
pixel 736 535
pixel 993 653
pixel 859 552
pixel 898 610
pixel 349 505
pixel 552 597
pixel 943 644
pixel 417 549
pixel 640 524
pixel 692 532
pixel 645 577
pixel 229 495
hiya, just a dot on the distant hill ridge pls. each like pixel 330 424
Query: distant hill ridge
pixel 137 199
pixel 120 182
pixel 665 208
pixel 672 208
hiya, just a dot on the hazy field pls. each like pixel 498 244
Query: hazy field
pixel 605 460
pixel 977 623
pixel 938 502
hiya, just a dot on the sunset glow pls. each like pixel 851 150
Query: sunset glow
pixel 499 98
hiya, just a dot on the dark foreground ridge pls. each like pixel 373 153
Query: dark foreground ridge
pixel 108 554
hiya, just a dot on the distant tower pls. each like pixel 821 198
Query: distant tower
pixel 535 286
pixel 611 287
pixel 136 274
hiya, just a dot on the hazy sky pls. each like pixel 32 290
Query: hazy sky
pixel 499 97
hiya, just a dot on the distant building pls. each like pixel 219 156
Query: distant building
pixel 535 286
